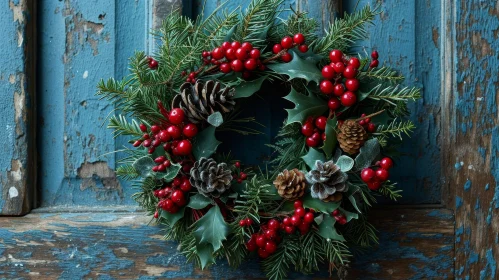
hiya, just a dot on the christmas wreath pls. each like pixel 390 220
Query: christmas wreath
pixel 308 204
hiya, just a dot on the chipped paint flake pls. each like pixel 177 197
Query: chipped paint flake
pixel 85 74
pixel 13 192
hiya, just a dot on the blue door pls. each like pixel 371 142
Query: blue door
pixel 57 158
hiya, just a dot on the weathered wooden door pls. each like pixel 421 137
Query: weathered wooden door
pixel 55 159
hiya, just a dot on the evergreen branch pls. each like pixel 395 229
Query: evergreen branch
pixel 383 74
pixel 121 126
pixel 289 148
pixel 311 252
pixel 297 22
pixel 255 197
pixel 395 129
pixel 361 233
pixel 216 27
pixel 392 94
pixel 335 252
pixel 278 264
pixel 127 172
pixel 390 190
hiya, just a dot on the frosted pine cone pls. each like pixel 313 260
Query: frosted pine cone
pixel 327 181
pixel 210 178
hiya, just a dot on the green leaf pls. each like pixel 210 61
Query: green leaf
pixel 305 106
pixel 312 156
pixel 170 174
pixel 144 166
pixel 298 68
pixel 215 119
pixel 345 163
pixel 319 205
pixel 211 228
pixel 239 188
pixel 368 154
pixel 198 201
pixel 354 203
pixel 229 34
pixel 327 229
pixel 248 88
pixel 330 143
pixel 288 206
pixel 205 254
pixel 173 218
pixel 319 219
pixel 205 143
pixel 349 215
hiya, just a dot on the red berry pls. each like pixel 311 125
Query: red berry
pixel 143 127
pixel 295 220
pixel 241 54
pixel 270 247
pixel 176 182
pixel 338 67
pixel 297 204
pixel 374 55
pixel 243 176
pixel 299 39
pixel 307 129
pixel 303 48
pixel 235 45
pixel 153 64
pixel 277 48
pixel 156 215
pixel 190 130
pixel 270 234
pixel 176 116
pixel 328 72
pixel 287 42
pixel 226 45
pixel 352 84
pixel 367 175
pixel 261 240
pixel 239 180
pixel 237 164
pixel 286 57
pixel 174 131
pixel 274 224
pixel 164 136
pixel 251 246
pixel 255 53
pixel 247 46
pixel 350 72
pixel 174 209
pixel 242 223
pixel 230 54
pixel 348 99
pixel 186 186
pixel 355 62
pixel 262 253
pixel 155 129
pixel 327 87
pixel 178 197
pixel 335 212
pixel 287 221
pixel 342 221
pixel 289 229
pixel 146 143
pixel 237 65
pixel 374 64
pixel 374 185
pixel 334 104
pixel 300 212
pixel 304 228
pixel 137 143
pixel 184 148
pixel 311 142
pixel 321 122
pixel 205 54
pixel 382 174
pixel 308 218
pixel 250 64
pixel 248 221
pixel 339 89
pixel 160 159
pixel 336 56
pixel 218 53
pixel 386 163
pixel 151 150
pixel 225 68
pixel 371 128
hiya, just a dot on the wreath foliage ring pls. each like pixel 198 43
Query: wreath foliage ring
pixel 331 157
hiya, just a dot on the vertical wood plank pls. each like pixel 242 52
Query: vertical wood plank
pixel 17 80
pixel 472 151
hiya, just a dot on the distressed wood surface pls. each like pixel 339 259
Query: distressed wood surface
pixel 472 130
pixel 415 244
pixel 17 90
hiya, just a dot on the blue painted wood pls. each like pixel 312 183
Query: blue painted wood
pixel 16 104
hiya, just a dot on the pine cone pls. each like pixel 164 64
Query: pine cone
pixel 351 137
pixel 327 180
pixel 201 100
pixel 210 178
pixel 290 184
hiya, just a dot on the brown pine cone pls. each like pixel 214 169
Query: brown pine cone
pixel 334 197
pixel 290 184
pixel 352 136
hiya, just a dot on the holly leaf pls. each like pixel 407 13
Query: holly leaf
pixel 170 173
pixel 312 156
pixel 327 229
pixel 319 205
pixel 211 228
pixel 298 68
pixel 144 166
pixel 205 143
pixel 215 119
pixel 330 142
pixel 305 106
pixel 248 88
pixel 368 154
pixel 173 218
pixel 198 201
pixel 345 163
pixel 205 254
pixel 319 219
pixel 349 215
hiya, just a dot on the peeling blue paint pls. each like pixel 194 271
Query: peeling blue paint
pixel 487 187
pixel 459 201
pixel 489 272
pixel 473 258
pixel 467 185
pixel 458 166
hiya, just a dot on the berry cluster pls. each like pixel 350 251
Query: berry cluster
pixel 288 43
pixel 153 64
pixel 367 124
pixel 314 130
pixel 174 136
pixel 239 175
pixel 339 217
pixel 173 197
pixel 340 80
pixel 374 178
pixel 374 62
pixel 301 219
pixel 266 241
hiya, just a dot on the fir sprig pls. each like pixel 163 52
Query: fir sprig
pixel 278 265
pixel 382 74
pixel 392 94
pixel 390 190
pixel 121 126
pixel 395 128
pixel 127 172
